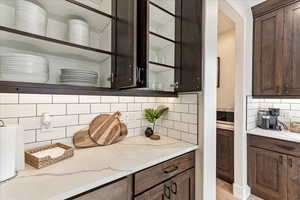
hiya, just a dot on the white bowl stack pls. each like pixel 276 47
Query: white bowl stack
pixel 30 17
pixel 23 68
pixel 79 32
pixel 79 77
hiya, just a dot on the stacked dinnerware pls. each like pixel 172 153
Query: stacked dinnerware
pixel 23 68
pixel 79 32
pixel 79 77
pixel 30 17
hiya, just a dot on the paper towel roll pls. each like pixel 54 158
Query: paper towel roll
pixel 7 152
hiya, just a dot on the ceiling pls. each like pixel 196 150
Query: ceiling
pixel 225 23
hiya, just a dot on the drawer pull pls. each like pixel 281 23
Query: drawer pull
pixel 170 169
pixel 286 147
pixel 174 188
pixel 167 192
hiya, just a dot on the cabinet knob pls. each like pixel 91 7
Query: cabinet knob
pixel 174 188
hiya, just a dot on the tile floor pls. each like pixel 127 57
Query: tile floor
pixel 224 192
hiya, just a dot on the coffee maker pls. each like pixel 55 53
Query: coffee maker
pixel 268 119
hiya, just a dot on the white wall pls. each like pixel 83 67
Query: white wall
pixel 226 52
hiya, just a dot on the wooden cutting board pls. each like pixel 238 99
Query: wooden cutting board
pixel 104 128
pixel 82 139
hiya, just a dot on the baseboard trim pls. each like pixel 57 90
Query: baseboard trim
pixel 241 192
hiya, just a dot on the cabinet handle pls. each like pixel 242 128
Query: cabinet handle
pixel 174 189
pixel 290 162
pixel 167 192
pixel 281 160
pixel 170 169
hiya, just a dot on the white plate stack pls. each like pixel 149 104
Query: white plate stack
pixel 79 32
pixel 31 17
pixel 79 77
pixel 23 68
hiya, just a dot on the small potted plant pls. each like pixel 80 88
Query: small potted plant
pixel 152 115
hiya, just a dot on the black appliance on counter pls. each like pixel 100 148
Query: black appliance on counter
pixel 268 119
pixel 225 116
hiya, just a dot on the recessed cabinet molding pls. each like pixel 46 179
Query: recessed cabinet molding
pixel 276 49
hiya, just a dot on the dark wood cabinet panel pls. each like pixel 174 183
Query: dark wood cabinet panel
pixel 120 190
pixel 268 174
pixel 189 76
pixel 291 50
pixel 267 52
pixel 225 155
pixel 162 172
pixel 157 193
pixel 293 184
pixel 183 186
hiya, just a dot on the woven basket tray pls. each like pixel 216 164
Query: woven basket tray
pixel 39 163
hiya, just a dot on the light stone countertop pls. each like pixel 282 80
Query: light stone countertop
pixel 91 168
pixel 281 135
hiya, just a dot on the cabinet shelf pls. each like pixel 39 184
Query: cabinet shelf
pixel 21 40
pixel 162 37
pixel 163 65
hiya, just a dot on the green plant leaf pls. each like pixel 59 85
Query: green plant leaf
pixel 154 114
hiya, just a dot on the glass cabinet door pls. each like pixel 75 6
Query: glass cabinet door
pixel 162 45
pixel 59 42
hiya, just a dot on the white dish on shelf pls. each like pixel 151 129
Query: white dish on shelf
pixel 79 84
pixel 79 32
pixel 7 16
pixel 30 17
pixel 78 76
pixel 23 56
pixel 12 75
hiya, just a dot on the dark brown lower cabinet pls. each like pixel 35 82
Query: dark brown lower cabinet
pixel 225 155
pixel 181 187
pixel 274 168
pixel 120 190
pixel 268 174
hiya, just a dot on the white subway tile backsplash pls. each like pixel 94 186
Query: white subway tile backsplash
pixel 35 98
pixel 126 99
pixel 36 144
pixel 51 134
pixel 181 126
pixel 71 130
pixel 140 99
pixel 66 141
pixel 65 99
pixel 17 110
pixel 118 107
pixel 193 108
pixel 189 138
pixel 190 98
pixel 182 108
pixel 173 116
pixel 134 107
pixel 7 98
pixel 70 113
pixel 174 134
pixel 109 99
pixel 78 109
pixel 52 109
pixel 67 120
pixel 29 136
pixel 89 99
pixel 86 118
pixel 290 101
pixel 282 106
pixel 295 106
pixel 30 123
pixel 189 118
pixel 100 108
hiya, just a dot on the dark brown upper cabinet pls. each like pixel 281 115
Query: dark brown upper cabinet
pixel 169 45
pixel 276 49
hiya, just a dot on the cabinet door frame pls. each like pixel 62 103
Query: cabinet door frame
pixel 187 175
pixel 293 184
pixel 289 54
pixel 258 65
pixel 258 188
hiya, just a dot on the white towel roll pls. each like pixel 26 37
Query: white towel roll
pixel 7 152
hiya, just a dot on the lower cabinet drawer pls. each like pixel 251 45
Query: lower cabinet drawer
pixel 120 190
pixel 150 177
